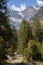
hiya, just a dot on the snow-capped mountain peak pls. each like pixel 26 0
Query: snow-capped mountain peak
pixel 15 17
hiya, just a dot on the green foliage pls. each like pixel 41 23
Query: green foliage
pixel 37 31
pixel 14 37
pixel 8 36
pixel 3 62
pixel 2 41
pixel 24 34
pixel 1 47
pixel 42 49
pixel 33 52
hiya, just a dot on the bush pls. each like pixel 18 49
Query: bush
pixel 28 54
pixel 42 49
pixel 33 52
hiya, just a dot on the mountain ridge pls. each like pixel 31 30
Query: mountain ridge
pixel 15 17
pixel 39 15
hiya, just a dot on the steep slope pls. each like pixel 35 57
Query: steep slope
pixel 39 15
pixel 29 13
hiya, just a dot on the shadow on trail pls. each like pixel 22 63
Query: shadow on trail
pixel 17 64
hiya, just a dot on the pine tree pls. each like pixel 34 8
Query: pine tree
pixel 37 31
pixel 7 38
pixel 24 34
pixel 2 41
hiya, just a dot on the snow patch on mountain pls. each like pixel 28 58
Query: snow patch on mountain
pixel 20 13
pixel 37 8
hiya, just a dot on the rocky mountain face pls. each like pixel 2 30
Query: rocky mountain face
pixel 39 15
pixel 15 17
pixel 29 13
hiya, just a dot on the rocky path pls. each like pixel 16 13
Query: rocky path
pixel 16 59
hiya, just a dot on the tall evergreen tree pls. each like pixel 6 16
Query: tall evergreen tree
pixel 23 35
pixel 2 21
pixel 37 31
pixel 7 38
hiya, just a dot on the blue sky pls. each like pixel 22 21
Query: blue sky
pixel 22 4
pixel 26 2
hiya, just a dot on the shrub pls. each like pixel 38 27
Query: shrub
pixel 33 51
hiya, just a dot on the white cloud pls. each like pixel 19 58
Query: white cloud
pixel 40 3
pixel 21 8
